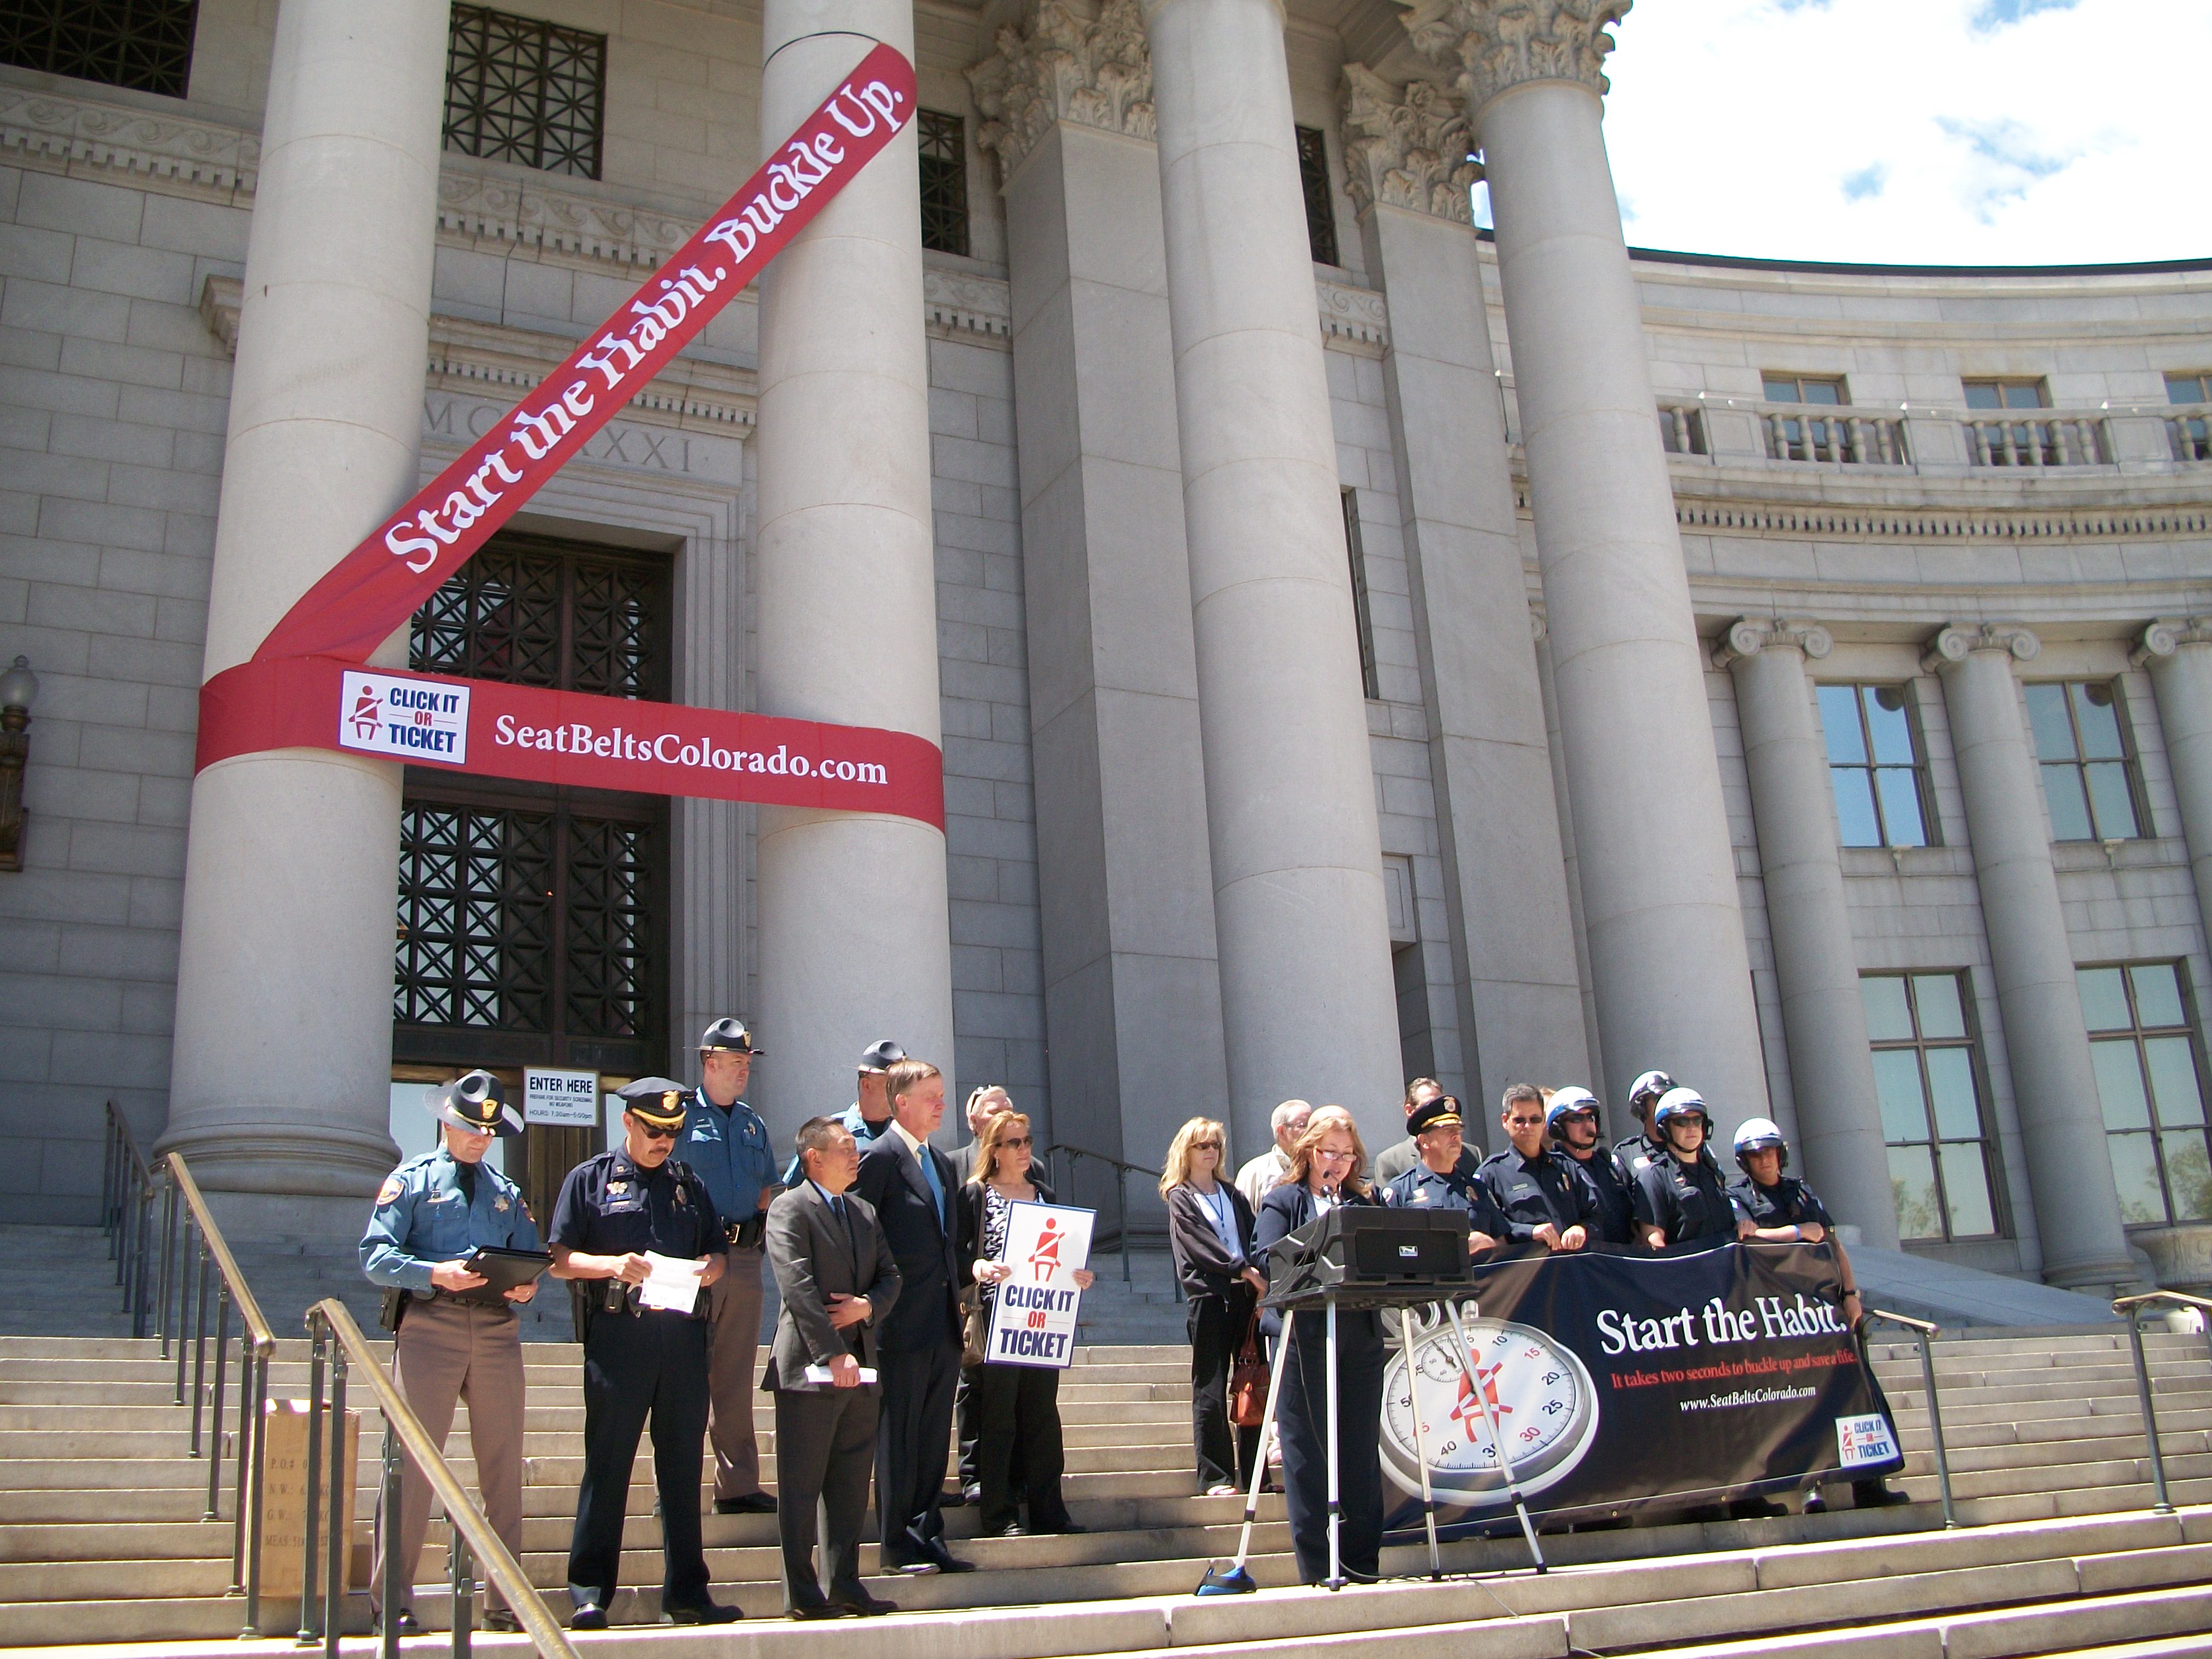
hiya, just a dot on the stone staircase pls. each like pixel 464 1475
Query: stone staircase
pixel 101 1539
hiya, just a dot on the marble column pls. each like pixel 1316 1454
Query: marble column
pixel 1512 934
pixel 1132 981
pixel 854 935
pixel 1839 1133
pixel 2077 1206
pixel 1308 1003
pixel 2179 658
pixel 280 1084
pixel 1667 958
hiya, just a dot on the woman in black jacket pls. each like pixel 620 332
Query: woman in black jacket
pixel 1013 1403
pixel 1210 1233
pixel 1327 1169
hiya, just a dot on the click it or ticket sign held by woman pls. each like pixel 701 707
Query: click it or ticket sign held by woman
pixel 1033 1314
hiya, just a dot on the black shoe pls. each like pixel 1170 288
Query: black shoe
pixel 703 1612
pixel 404 1622
pixel 944 1561
pixel 1065 1530
pixel 588 1615
pixel 1814 1502
pixel 1875 1495
pixel 1011 1530
pixel 857 1600
pixel 498 1621
pixel 958 1498
pixel 1755 1509
pixel 906 1567
pixel 752 1503
pixel 804 1610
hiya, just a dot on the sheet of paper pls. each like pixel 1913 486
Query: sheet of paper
pixel 672 1284
pixel 820 1376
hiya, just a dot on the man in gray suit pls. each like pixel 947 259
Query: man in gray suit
pixel 837 1279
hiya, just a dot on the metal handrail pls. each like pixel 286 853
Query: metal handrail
pixel 331 1329
pixel 1122 1171
pixel 2132 1308
pixel 1924 1333
pixel 129 1185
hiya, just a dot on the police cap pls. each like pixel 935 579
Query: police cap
pixel 728 1037
pixel 657 1102
pixel 881 1056
pixel 1441 1112
pixel 474 1102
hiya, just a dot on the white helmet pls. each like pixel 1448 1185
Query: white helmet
pixel 1756 1134
pixel 1677 1102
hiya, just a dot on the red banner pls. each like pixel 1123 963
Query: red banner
pixel 305 687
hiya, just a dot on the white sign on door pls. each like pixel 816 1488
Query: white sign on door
pixel 570 1099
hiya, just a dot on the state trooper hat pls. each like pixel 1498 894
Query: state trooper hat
pixel 729 1037
pixel 658 1102
pixel 1441 1112
pixel 881 1056
pixel 474 1102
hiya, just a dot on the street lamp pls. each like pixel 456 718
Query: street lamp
pixel 19 689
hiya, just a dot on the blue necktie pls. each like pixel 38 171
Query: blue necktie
pixel 936 1182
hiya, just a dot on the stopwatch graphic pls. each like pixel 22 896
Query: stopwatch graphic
pixel 1544 1398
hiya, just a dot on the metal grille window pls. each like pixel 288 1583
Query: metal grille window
pixel 523 91
pixel 1928 1078
pixel 1321 210
pixel 2151 1087
pixel 2193 434
pixel 537 613
pixel 944 181
pixel 1810 439
pixel 1877 766
pixel 1363 614
pixel 144 45
pixel 2088 767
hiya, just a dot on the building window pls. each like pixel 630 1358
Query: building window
pixel 944 182
pixel 143 44
pixel 1877 766
pixel 1928 1078
pixel 1792 438
pixel 522 91
pixel 2193 434
pixel 2007 394
pixel 2151 1085
pixel 1363 615
pixel 2088 768
pixel 1321 210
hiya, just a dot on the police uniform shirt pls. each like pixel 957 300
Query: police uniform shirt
pixel 729 1151
pixel 864 1135
pixel 1787 1203
pixel 609 1207
pixel 1533 1191
pixel 424 1215
pixel 1636 1153
pixel 1616 1194
pixel 1684 1201
pixel 1422 1188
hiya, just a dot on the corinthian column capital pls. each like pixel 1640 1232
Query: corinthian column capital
pixel 1961 640
pixel 1494 45
pixel 1060 66
pixel 1748 636
pixel 1406 148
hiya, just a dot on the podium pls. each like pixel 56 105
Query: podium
pixel 1361 1257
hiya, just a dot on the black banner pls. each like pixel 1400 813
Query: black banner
pixel 1621 1381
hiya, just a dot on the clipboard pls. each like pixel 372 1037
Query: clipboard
pixel 503 1269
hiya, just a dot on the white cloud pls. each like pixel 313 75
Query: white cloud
pixel 1914 131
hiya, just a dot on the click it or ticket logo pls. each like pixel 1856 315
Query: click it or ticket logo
pixel 406 719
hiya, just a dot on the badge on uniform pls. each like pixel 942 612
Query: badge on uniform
pixel 683 1195
pixel 393 1186
pixel 616 1189
pixel 500 1203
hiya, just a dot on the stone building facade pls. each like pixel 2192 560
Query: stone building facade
pixel 1363 646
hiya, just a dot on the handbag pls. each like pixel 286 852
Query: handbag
pixel 1248 1380
pixel 975 1327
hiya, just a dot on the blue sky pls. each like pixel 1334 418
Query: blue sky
pixel 1916 131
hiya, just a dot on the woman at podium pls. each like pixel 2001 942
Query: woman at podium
pixel 1327 1168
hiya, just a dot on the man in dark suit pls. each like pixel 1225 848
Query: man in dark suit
pixel 837 1281
pixel 912 1188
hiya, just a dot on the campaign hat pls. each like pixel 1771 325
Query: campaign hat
pixel 881 1056
pixel 658 1102
pixel 728 1037
pixel 476 1101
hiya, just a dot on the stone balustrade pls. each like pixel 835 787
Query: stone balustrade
pixel 2189 429
pixel 2038 438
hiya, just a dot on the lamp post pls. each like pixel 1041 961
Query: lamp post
pixel 19 689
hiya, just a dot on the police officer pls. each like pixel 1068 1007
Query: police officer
pixel 1439 1181
pixel 613 1209
pixel 1570 1118
pixel 1637 1150
pixel 454 1335
pixel 1546 1199
pixel 726 1145
pixel 1679 1196
pixel 870 1114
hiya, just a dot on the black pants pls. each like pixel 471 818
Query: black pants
pixel 1303 1416
pixel 1018 1445
pixel 912 1444
pixel 825 1441
pixel 633 1365
pixel 965 1426
pixel 1226 1454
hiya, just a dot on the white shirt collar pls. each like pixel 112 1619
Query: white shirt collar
pixel 914 1143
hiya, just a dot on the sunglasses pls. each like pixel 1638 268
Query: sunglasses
pixel 1206 1146
pixel 1015 1140
pixel 652 1133
pixel 1525 1122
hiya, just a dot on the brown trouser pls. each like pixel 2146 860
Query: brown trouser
pixel 734 1319
pixel 446 1352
